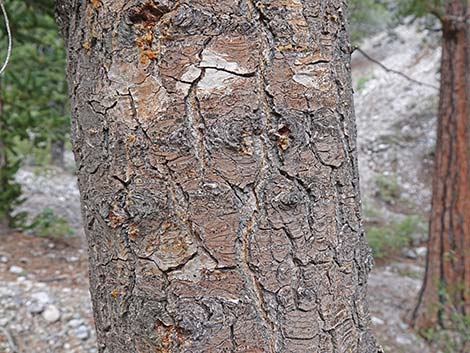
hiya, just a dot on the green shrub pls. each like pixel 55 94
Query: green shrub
pixel 361 82
pixel 455 337
pixel 388 188
pixel 37 154
pixel 371 212
pixel 388 239
pixel 48 224
pixel 367 17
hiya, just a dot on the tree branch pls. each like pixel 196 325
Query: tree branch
pixel 387 69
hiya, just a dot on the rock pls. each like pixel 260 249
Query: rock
pixel 403 326
pixel 17 270
pixel 421 251
pixel 51 314
pixel 74 323
pixel 73 259
pixel 3 259
pixel 418 238
pixel 41 297
pixel 403 340
pixel 409 253
pixel 377 321
pixel 82 332
pixel 35 308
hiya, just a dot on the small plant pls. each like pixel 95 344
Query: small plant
pixel 388 239
pixel 371 212
pixel 361 82
pixel 48 224
pixel 388 188
pixel 456 336
pixel 383 242
pixel 10 193
pixel 34 153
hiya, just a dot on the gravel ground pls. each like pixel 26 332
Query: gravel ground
pixel 44 300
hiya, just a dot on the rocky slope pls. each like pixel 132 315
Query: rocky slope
pixel 396 118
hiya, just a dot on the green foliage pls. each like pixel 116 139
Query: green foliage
pixel 456 336
pixel 388 188
pixel 10 191
pixel 367 17
pixel 34 153
pixel 48 224
pixel 361 82
pixel 386 240
pixel 371 212
pixel 420 8
pixel 32 92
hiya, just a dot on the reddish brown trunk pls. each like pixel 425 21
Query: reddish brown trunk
pixel 446 289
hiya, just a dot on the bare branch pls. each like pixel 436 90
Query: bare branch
pixel 387 69
pixel 7 25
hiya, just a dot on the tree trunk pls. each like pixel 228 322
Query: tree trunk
pixel 57 152
pixel 4 177
pixel 446 289
pixel 215 144
pixel 4 221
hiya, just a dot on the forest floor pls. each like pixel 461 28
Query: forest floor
pixel 44 300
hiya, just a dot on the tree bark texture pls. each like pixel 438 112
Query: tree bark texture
pixel 215 143
pixel 446 289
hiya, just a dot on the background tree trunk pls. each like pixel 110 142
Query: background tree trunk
pixel 5 208
pixel 446 289
pixel 4 219
pixel 58 152
pixel 215 144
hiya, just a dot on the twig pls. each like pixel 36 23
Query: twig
pixel 7 25
pixel 10 340
pixel 387 69
pixel 49 280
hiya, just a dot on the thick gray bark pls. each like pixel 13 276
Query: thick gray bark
pixel 215 143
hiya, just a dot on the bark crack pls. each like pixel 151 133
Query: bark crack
pixel 194 115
